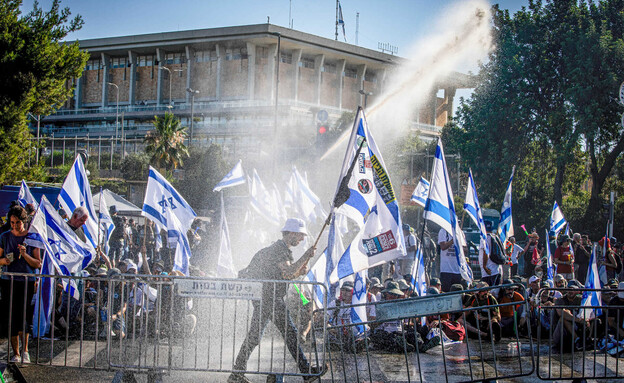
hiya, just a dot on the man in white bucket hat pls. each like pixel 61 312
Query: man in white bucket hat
pixel 276 263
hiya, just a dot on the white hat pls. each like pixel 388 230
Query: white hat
pixel 621 292
pixel 130 265
pixel 295 225
pixel 534 278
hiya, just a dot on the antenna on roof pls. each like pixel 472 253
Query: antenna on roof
pixel 357 26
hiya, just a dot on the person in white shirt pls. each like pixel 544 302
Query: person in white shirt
pixel 515 252
pixel 449 267
pixel 406 263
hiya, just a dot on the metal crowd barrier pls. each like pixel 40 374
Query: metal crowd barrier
pixel 169 324
pixel 479 357
pixel 590 347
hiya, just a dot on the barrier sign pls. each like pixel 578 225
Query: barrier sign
pixel 219 289
pixel 419 307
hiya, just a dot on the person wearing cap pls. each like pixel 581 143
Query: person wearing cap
pixel 404 286
pixel 487 321
pixel 340 334
pixel 435 282
pixel 276 263
pixel 389 335
pixel 534 287
pixel 615 316
pixel 449 268
pixel 564 258
pixel 510 313
pixel 375 288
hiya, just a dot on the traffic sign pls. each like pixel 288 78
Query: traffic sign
pixel 322 115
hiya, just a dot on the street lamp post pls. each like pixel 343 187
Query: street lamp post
pixel 117 109
pixel 366 94
pixel 38 129
pixel 193 92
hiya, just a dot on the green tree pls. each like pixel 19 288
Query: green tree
pixel 166 142
pixel 546 102
pixel 36 72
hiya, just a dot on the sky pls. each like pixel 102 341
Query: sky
pixel 397 22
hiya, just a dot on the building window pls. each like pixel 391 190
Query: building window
pixel 286 58
pixel 205 56
pixel 173 58
pixel 350 72
pixel 145 60
pixel 306 63
pixel 329 68
pixel 262 52
pixel 370 76
pixel 236 54
pixel 118 62
pixel 93 65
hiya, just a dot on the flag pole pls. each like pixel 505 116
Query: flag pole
pixel 100 219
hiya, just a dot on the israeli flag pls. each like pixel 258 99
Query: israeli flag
pixel 371 204
pixel 233 178
pixel 551 269
pixel 106 224
pixel 75 192
pixel 505 226
pixel 440 208
pixel 304 203
pixel 419 280
pixel 225 264
pixel 262 201
pixel 591 298
pixel 24 197
pixel 358 313
pixel 317 273
pixel 473 208
pixel 65 254
pixel 169 211
pixel 557 221
pixel 421 192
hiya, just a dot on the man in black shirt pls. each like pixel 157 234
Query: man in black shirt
pixel 276 263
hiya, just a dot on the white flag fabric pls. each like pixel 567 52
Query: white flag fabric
pixel 550 266
pixel 505 226
pixel 262 201
pixel 473 208
pixel 557 221
pixel 169 211
pixel 236 176
pixel 318 273
pixel 225 264
pixel 591 298
pixel 300 198
pixel 421 192
pixel 372 205
pixel 24 197
pixel 106 225
pixel 419 280
pixel 76 192
pixel 440 209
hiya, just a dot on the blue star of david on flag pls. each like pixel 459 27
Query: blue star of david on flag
pixel 163 204
pixel 359 287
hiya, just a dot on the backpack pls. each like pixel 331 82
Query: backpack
pixel 618 262
pixel 497 254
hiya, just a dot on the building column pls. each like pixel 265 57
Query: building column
pixel 132 57
pixel 449 94
pixel 160 57
pixel 105 74
pixel 340 67
pixel 78 93
pixel 271 69
pixel 318 64
pixel 361 72
pixel 251 71
pixel 434 105
pixel 190 61
pixel 220 59
pixel 296 58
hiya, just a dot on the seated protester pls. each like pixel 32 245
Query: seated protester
pixel 531 291
pixel 542 319
pixel 615 316
pixel 341 336
pixel 375 288
pixel 118 306
pixel 405 287
pixel 389 336
pixel 512 316
pixel 560 283
pixel 608 292
pixel 569 327
pixel 452 330
pixel 435 282
pixel 485 321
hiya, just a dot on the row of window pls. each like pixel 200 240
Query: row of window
pixel 231 54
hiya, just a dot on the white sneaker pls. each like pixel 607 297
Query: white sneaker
pixel 16 359
pixel 26 357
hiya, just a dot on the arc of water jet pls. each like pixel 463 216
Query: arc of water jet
pixel 469 29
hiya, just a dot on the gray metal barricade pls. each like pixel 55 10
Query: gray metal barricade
pixel 577 341
pixel 142 323
pixel 480 356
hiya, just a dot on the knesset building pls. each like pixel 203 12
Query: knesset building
pixel 226 79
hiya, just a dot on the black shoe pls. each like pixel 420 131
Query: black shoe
pixel 431 343
pixel 237 377
pixel 315 373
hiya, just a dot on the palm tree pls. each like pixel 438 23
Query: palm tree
pixel 166 142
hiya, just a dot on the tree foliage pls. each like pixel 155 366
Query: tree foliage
pixel 547 102
pixel 166 142
pixel 36 68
